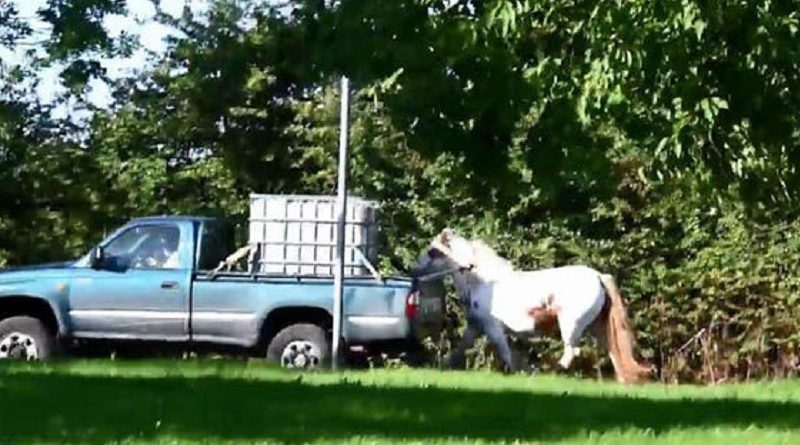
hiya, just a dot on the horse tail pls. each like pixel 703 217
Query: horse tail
pixel 619 337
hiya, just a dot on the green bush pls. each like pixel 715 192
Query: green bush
pixel 713 295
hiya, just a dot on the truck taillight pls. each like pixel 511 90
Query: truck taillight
pixel 412 304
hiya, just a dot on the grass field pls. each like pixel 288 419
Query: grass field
pixel 195 402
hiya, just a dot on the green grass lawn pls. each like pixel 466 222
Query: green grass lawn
pixel 196 402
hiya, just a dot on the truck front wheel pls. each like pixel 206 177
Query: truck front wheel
pixel 300 346
pixel 25 338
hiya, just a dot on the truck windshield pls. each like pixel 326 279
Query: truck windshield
pixel 148 246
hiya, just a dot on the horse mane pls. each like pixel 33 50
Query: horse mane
pixel 486 255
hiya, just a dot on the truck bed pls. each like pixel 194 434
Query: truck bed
pixel 230 307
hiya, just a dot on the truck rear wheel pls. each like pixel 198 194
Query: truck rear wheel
pixel 26 339
pixel 300 346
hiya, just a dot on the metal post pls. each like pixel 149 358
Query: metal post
pixel 341 214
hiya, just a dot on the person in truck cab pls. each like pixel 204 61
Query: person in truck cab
pixel 170 244
pixel 163 253
pixel 147 248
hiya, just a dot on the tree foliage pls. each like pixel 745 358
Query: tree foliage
pixel 657 141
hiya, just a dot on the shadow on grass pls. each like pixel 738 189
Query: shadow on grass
pixel 94 409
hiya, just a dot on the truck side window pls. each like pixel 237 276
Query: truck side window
pixel 146 247
pixel 215 245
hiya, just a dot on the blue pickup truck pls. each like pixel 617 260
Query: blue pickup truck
pixel 153 280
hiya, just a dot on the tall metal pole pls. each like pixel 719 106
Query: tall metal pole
pixel 341 212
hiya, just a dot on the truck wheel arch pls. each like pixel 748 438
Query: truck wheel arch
pixel 282 317
pixel 35 307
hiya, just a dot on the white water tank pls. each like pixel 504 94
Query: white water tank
pixel 296 234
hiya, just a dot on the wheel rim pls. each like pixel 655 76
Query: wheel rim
pixel 18 346
pixel 301 354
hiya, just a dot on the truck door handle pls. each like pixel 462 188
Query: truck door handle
pixel 169 285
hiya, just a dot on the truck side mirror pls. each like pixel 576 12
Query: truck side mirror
pixel 97 257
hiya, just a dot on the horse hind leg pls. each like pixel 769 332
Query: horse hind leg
pixel 599 332
pixel 571 333
pixel 575 322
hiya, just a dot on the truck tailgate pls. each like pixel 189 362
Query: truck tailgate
pixel 430 314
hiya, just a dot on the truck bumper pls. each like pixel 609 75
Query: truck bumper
pixel 360 329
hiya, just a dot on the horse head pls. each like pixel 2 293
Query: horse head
pixel 446 251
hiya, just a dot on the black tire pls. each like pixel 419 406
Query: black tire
pixel 298 333
pixel 44 341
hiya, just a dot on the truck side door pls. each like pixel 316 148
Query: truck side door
pixel 142 289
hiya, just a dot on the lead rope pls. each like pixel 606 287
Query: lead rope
pixel 465 298
pixel 442 273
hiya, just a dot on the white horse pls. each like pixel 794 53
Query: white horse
pixel 499 298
